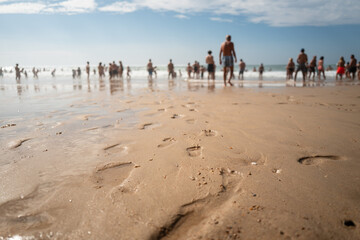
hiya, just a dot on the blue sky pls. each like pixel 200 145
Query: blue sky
pixel 71 32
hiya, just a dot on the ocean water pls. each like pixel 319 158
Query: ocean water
pixel 271 71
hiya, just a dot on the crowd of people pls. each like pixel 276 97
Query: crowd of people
pixel 309 69
pixel 227 60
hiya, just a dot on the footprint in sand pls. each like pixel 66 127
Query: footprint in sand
pixel 194 151
pixel 148 126
pixel 246 158
pixel 317 159
pixel 17 143
pixel 166 142
pixel 112 174
pixel 115 148
pixel 190 121
pixel 209 133
pixel 176 116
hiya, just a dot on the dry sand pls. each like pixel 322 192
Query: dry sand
pixel 230 164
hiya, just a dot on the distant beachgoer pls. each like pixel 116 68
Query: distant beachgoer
pixel 211 65
pixel 18 72
pixel 329 68
pixel 121 69
pixel 150 69
pixel 154 71
pixel 290 68
pixel 254 69
pixel 35 72
pixel 347 73
pixel 101 70
pixel 312 67
pixel 202 71
pixel 128 71
pixel 358 67
pixel 94 70
pixel 74 73
pixel 53 72
pixel 88 69
pixel 196 69
pixel 227 52
pixel 340 68
pixel 115 70
pixel 79 72
pixel 242 66
pixel 180 74
pixel 321 68
pixel 189 70
pixel 110 70
pixel 1 72
pixel 25 74
pixel 302 61
pixel 170 69
pixel 261 70
pixel 352 67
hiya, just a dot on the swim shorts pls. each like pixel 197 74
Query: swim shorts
pixel 340 70
pixel 150 72
pixel 301 67
pixel 210 68
pixel 227 61
pixel 352 69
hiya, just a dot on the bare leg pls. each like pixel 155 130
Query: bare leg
pixel 231 75
pixel 225 73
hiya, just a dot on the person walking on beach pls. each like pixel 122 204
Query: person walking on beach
pixel 227 52
pixel 189 70
pixel 128 71
pixel 352 67
pixel 170 69
pixel 196 69
pixel 211 65
pixel 79 72
pixel 321 68
pixel 340 68
pixel 35 72
pixel 100 69
pixel 202 71
pixel 88 69
pixel 121 69
pixel 261 70
pixel 301 60
pixel 150 69
pixel 290 68
pixel 18 72
pixel 1 72
pixel 312 67
pixel 242 66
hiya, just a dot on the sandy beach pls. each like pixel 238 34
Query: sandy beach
pixel 200 163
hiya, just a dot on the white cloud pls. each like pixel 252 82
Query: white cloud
pixel 34 7
pixel 181 16
pixel 273 13
pixel 22 8
pixel 217 19
pixel 120 7
pixel 73 6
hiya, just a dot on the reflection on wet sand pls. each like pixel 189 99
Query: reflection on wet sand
pixel 117 85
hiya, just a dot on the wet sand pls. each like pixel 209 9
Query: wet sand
pixel 229 163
